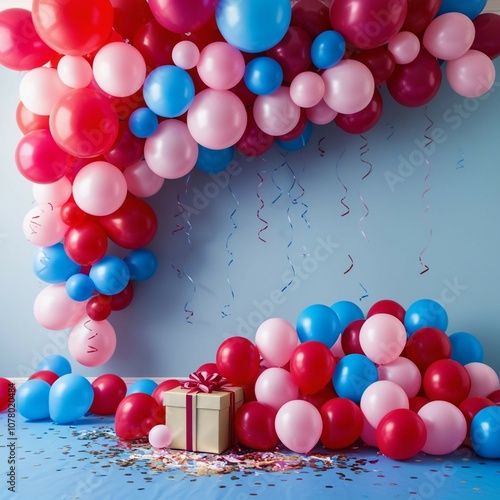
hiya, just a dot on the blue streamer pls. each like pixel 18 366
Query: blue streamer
pixel 390 126
pixel 262 204
pixel 460 163
pixel 365 294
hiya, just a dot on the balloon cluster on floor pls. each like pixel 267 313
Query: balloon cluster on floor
pixel 120 95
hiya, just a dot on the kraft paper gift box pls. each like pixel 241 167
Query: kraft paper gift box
pixel 200 421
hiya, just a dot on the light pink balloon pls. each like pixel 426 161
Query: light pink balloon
pixel 99 188
pixel 185 54
pixel 349 86
pixel 276 339
pixel 446 427
pixel 275 387
pixel 449 35
pixel 92 343
pixel 276 114
pixel 56 193
pixel 336 349
pixel 43 226
pixel 471 75
pixel 379 398
pixel 299 425
pixel 141 180
pixel 216 118
pixel 307 89
pixel 404 372
pixel 171 151
pixel 119 69
pixel 74 71
pixel 160 436
pixel 382 338
pixel 55 310
pixel 321 113
pixel 404 47
pixel 220 66
pixel 484 379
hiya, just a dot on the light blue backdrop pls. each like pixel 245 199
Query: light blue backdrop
pixel 274 237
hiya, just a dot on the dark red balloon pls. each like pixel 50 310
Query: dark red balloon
pixel 387 306
pixel 254 426
pixel 342 423
pixel 470 406
pixel 417 402
pixel 86 243
pixel 109 391
pixel 446 380
pixel 487 39
pixel 127 149
pixel 427 345
pixel 254 141
pixel 364 120
pixel 136 415
pixel 350 337
pixel 7 392
pixel 45 375
pixel 420 14
pixel 122 300
pixel 98 308
pixel 129 15
pixel 297 130
pixel 495 397
pixel 238 360
pixel 318 399
pixel 379 61
pixel 312 16
pixel 163 387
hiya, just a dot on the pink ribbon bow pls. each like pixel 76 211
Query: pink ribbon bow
pixel 204 381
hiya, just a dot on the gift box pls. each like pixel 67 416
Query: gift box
pixel 202 420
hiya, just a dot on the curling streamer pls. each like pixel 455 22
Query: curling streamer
pixel 343 185
pixel 390 126
pixel 351 266
pixel 365 294
pixel 363 150
pixel 320 149
pixel 262 204
pixel 460 163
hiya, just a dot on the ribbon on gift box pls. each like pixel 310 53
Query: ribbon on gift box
pixel 205 382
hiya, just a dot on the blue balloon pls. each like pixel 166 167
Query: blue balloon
pixel 353 374
pixel 299 142
pixel 466 348
pixel 471 8
pixel 110 275
pixel 327 49
pixel 212 161
pixel 168 91
pixel 347 312
pixel 318 322
pixel 52 264
pixel 142 264
pixel 253 25
pixel 70 397
pixel 145 385
pixel 80 287
pixel 143 122
pixel 263 75
pixel 54 363
pixel 32 399
pixel 423 313
pixel 485 432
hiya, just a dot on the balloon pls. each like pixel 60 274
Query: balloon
pixel 471 75
pixel 446 380
pixel 311 366
pixel 379 61
pixel 46 375
pixel 263 75
pixel 292 419
pixel 74 71
pixel 382 338
pixel 110 275
pixel 420 14
pixel 404 47
pixel 109 390
pixel 70 397
pixel 142 181
pixel 27 121
pixel 320 113
pixel 52 264
pixel 254 141
pixel 307 89
pixel 389 307
pixel 160 436
pixel 185 54
pixel 485 432
pixel 416 83
pixel 403 372
pixel 327 49
pixel 99 307
pixel 401 434
pixel 163 387
pixel 86 243
pixel 127 149
pixel 171 152
pixel 56 193
pixel 446 427
pixel 368 434
pixel 347 312
pixel 253 26
pixel 466 348
pixel 366 25
pixel 71 214
pixel 427 345
pixel 275 387
pixel 276 340
pixel 142 264
pixel 32 399
pixel 350 337
pixel 254 426
pixel 92 343
pixel 318 322
pixel 471 8
pixel 54 363
pixel 485 39
pixel 136 415
pixel 353 374
pixel 121 300
pixel 417 402
pixel 143 122
pixel 318 399
pixel 298 142
pixel 349 86
pixel 238 360
pixel 423 313
pixel 72 27
pixel 312 16
pixel 145 385
pixel 130 15
pixel 342 423
pixel 484 379
pixel 212 161
pixel 471 405
pixel 495 396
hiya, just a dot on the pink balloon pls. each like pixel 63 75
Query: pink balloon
pixel 216 118
pixel 185 54
pixel 276 114
pixel 92 343
pixel 379 398
pixel 99 188
pixel 321 113
pixel 484 379
pixel 141 180
pixel 275 387
pixel 449 35
pixel 369 433
pixel 307 89
pixel 43 226
pixel 349 86
pixel 471 75
pixel 404 47
pixel 382 338
pixel 74 71
pixel 171 151
pixel 55 310
pixel 299 425
pixel 337 349
pixel 56 193
pixel 160 436
pixel 403 372
pixel 276 339
pixel 446 427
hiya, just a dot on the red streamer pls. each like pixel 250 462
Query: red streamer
pixel 351 266
pixel 343 185
pixel 363 150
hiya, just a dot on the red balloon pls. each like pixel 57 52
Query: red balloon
pixel 342 423
pixel 427 345
pixel 470 406
pixel 311 365
pixel 98 308
pixel 7 392
pixel 417 402
pixel 379 61
pixel 109 391
pixel 28 121
pixel 486 39
pixel 318 399
pixel 163 387
pixel 297 130
pixel 254 141
pixel 254 426
pixel 416 83
pixel 127 149
pixel 125 106
pixel 364 120
pixel 71 214
pixel 133 225
pixel 45 375
pixel 312 16
pixel 387 306
pixel 446 380
pixel 495 397
pixel 244 93
pixel 122 300
pixel 136 415
pixel 86 243
pixel 129 15
pixel 238 360
pixel 350 337
pixel 210 368
pixel 401 434
pixel 249 389
pixel 420 14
